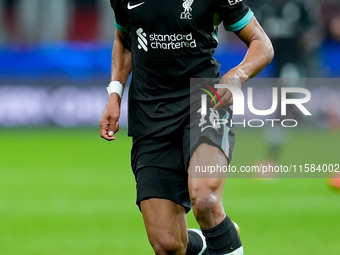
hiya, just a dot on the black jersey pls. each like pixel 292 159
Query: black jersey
pixel 171 42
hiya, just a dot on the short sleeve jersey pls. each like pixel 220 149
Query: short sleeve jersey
pixel 171 42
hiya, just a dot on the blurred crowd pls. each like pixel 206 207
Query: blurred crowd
pixel 298 29
pixel 35 21
pixel 88 20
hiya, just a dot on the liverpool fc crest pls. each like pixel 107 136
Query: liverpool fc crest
pixel 186 14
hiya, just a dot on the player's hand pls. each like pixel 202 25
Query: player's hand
pixel 109 125
pixel 225 94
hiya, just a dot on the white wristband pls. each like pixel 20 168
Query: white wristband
pixel 115 87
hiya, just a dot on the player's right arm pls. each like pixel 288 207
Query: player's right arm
pixel 120 71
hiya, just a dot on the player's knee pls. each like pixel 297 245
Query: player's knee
pixel 168 246
pixel 206 204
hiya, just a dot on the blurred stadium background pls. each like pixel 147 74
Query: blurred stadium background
pixel 63 190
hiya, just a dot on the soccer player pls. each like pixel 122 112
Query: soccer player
pixel 164 44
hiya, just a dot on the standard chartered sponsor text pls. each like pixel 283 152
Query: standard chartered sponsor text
pixel 172 42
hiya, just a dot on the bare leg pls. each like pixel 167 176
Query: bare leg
pixel 165 223
pixel 206 198
pixel 206 193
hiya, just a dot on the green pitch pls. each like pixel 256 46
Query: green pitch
pixel 66 191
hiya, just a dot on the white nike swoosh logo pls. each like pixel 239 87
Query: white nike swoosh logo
pixel 130 7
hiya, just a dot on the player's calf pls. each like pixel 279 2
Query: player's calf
pixel 166 246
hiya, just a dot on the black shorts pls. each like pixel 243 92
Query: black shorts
pixel 160 159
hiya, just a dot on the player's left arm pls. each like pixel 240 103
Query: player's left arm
pixel 260 53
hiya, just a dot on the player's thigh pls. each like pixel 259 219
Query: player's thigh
pixel 205 156
pixel 165 223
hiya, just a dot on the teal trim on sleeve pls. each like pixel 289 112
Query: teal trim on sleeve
pixel 241 23
pixel 121 28
pixel 215 35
